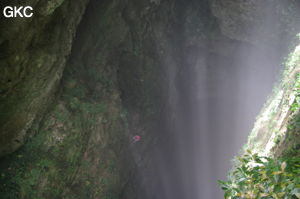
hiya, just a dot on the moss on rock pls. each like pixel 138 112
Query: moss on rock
pixel 276 131
pixel 32 66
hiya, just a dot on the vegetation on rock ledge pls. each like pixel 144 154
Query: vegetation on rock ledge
pixel 259 177
pixel 273 170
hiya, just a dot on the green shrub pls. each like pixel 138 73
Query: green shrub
pixel 257 177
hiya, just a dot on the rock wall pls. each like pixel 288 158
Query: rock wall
pixel 276 131
pixel 33 56
pixel 81 147
pixel 120 80
pixel 257 22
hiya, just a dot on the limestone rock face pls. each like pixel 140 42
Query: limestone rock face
pixel 276 131
pixel 33 55
pixel 80 149
pixel 115 84
pixel 257 21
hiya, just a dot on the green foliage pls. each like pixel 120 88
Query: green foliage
pixel 86 107
pixel 258 177
pixel 292 60
pixel 110 195
pixel 296 105
pixel 78 91
pixel 79 100
pixel 111 166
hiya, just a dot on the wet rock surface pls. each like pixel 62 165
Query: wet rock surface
pixel 257 21
pixel 33 56
pixel 128 62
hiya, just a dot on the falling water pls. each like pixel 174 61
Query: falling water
pixel 212 104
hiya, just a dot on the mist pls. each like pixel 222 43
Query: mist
pixel 140 99
pixel 213 101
